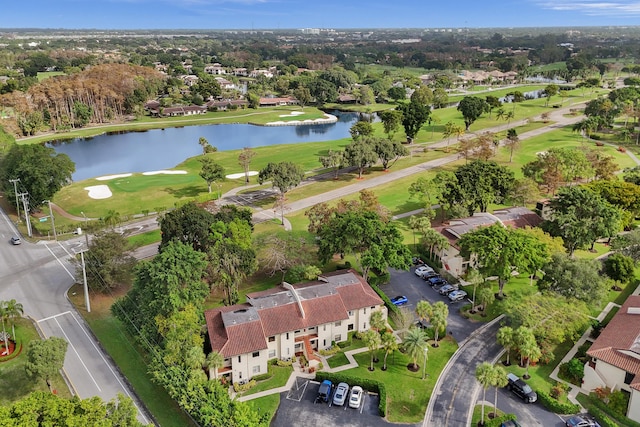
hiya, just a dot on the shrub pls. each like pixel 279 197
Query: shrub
pixel 281 362
pixel 303 361
pixel 575 369
pixel 497 422
pixel 263 377
pixel 559 390
pixel 344 344
pixel 619 402
pixel 330 351
pixel 238 388
pixel 582 350
pixel 366 383
pixel 555 406
pixel 599 405
pixel 602 418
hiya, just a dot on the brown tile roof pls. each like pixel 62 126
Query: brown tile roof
pixel 243 328
pixel 619 342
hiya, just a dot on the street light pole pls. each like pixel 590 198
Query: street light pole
pixel 84 279
pixel 86 236
pixel 424 365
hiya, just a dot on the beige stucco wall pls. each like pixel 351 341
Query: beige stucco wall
pixel 634 406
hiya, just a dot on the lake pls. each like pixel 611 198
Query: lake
pixel 157 149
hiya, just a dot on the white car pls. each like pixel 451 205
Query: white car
pixel 340 394
pixel 422 270
pixel 356 397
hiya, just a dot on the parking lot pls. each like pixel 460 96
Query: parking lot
pixel 298 407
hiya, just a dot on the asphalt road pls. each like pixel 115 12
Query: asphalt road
pixel 38 276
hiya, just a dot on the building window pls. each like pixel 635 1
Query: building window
pixel 256 369
pixel 287 335
pixel 313 328
pixel 272 354
pixel 324 343
pixel 239 359
pixel 350 327
pixel 337 324
pixel 297 332
pixel 373 308
pixel 272 339
pixel 350 313
pixel 628 377
pixel 256 354
pixel 324 328
pixel 365 310
pixel 337 338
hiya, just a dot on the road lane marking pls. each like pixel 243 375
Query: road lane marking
pixel 53 317
pixel 76 352
pixel 109 366
pixel 60 262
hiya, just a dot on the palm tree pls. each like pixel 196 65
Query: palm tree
pixel 14 310
pixel 413 344
pixel 509 116
pixel 424 310
pixel 475 278
pixel 505 339
pixel 512 142
pixel 499 380
pixel 439 319
pixel 204 144
pixel 377 321
pixel 531 352
pixel 3 316
pixel 500 113
pixel 372 340
pixel 389 345
pixel 484 375
pixel 213 362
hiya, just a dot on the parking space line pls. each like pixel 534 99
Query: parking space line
pixel 364 396
pixel 76 352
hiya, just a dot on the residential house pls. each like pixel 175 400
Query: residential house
pixel 290 320
pixel 188 110
pixel 215 69
pixel 516 217
pixel 226 84
pixel 225 104
pixel 615 356
pixel 275 102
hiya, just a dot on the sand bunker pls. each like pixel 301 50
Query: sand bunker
pixel 293 113
pixel 328 118
pixel 107 177
pixel 164 172
pixel 99 191
pixel 241 175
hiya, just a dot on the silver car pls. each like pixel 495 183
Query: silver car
pixel 340 395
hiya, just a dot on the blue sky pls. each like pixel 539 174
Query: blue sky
pixel 275 14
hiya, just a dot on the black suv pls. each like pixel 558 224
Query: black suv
pixel 520 388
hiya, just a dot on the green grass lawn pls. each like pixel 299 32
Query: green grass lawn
pixel 280 375
pixel 266 405
pixel 14 382
pixel 407 393
pixel 338 359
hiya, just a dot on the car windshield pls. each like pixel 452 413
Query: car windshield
pixel 527 389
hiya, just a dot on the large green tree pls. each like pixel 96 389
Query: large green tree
pixel 479 184
pixel 211 172
pixel 472 108
pixel 375 244
pixel 580 217
pixel 391 120
pixel 577 278
pixel 283 175
pixel 42 172
pixel 414 115
pixel 45 358
pixel 388 151
pixel 361 154
pixel 189 224
pixel 498 251
pixel 108 263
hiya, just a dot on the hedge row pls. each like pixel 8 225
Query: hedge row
pixel 497 422
pixel 391 306
pixel 603 419
pixel 366 383
pixel 558 407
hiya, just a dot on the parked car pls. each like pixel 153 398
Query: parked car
pixel 324 392
pixel 16 240
pixel 429 274
pixel 356 396
pixel 436 281
pixel 340 396
pixel 581 421
pixel 423 269
pixel 417 261
pixel 446 289
pixel 399 300
pixel 457 295
pixel 521 389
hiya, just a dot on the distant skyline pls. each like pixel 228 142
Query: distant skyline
pixel 293 14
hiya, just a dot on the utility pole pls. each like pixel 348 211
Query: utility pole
pixel 25 205
pixel 15 190
pixel 86 236
pixel 53 224
pixel 84 280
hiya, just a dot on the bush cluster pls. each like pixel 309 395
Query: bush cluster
pixel 281 362
pixel 244 387
pixel 497 422
pixel 330 351
pixel 366 383
pixel 555 406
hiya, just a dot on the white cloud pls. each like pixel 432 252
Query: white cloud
pixel 594 8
